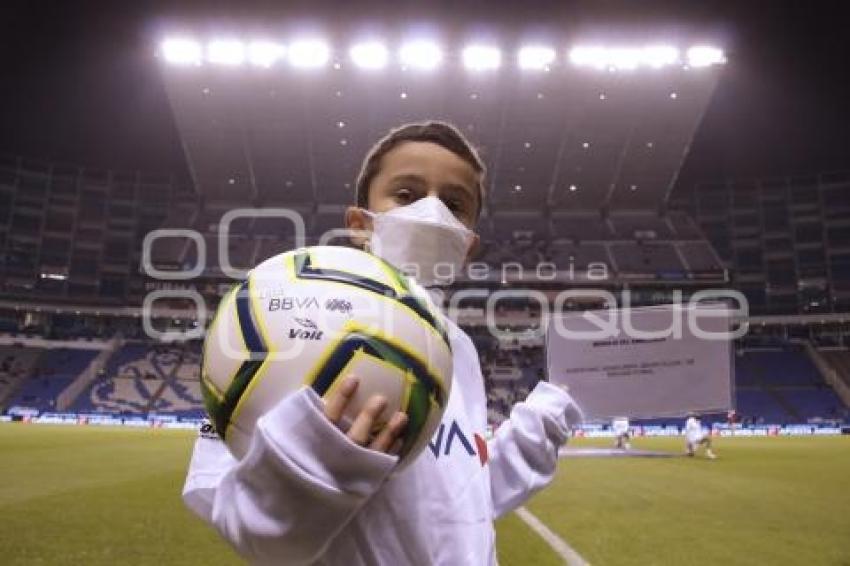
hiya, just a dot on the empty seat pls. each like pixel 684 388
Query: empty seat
pixel 646 258
pixel 581 227
pixel 566 254
pixel 700 256
pixel 684 226
pixel 640 226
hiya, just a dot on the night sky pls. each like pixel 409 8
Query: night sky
pixel 80 85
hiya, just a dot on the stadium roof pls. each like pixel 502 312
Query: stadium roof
pixel 580 129
pixel 83 86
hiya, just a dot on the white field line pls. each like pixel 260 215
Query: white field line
pixel 559 545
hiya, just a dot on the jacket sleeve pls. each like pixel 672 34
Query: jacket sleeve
pixel 300 483
pixel 524 449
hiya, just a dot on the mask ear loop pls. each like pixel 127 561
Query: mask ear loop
pixel 367 236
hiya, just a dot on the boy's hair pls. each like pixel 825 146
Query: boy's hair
pixel 440 133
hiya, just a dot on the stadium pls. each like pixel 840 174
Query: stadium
pixel 609 187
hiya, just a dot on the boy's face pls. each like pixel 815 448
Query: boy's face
pixel 415 170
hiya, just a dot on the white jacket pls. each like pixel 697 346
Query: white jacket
pixel 306 494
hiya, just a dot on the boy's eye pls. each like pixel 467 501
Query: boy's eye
pixel 404 196
pixel 457 208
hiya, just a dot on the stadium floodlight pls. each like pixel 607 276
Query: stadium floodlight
pixel 623 58
pixel 596 57
pixel 54 276
pixel 226 52
pixel 482 58
pixel 658 56
pixel 181 51
pixel 265 53
pixel 309 53
pixel 705 55
pixel 421 54
pixel 535 57
pixel 369 55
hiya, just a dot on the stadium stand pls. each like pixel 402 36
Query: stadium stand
pixel 75 235
pixel 782 368
pixel 564 253
pixel 521 225
pixel 181 393
pixel 656 258
pixel 759 406
pixel 181 398
pixel 72 237
pixel 647 226
pixel 776 381
pixel 783 240
pixel 700 257
pixel 126 384
pixel 55 370
pixel 783 385
pixel 684 227
pixel 579 227
pixel 840 362
pixel 16 366
pixel 813 403
pixel 147 378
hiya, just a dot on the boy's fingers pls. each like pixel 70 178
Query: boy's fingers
pixel 335 407
pixel 361 428
pixel 390 433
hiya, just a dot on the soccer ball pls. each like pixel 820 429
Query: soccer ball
pixel 311 317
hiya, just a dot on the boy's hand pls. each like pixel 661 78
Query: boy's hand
pixel 388 439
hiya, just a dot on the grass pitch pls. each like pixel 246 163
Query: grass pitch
pixel 97 496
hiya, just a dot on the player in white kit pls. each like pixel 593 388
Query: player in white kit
pixel 696 436
pixel 622 433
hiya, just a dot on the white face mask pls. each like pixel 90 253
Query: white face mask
pixel 422 239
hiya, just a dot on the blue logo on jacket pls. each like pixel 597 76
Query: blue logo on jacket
pixel 442 443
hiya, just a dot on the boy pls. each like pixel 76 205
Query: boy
pixel 308 492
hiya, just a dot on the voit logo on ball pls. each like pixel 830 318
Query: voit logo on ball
pixel 308 330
